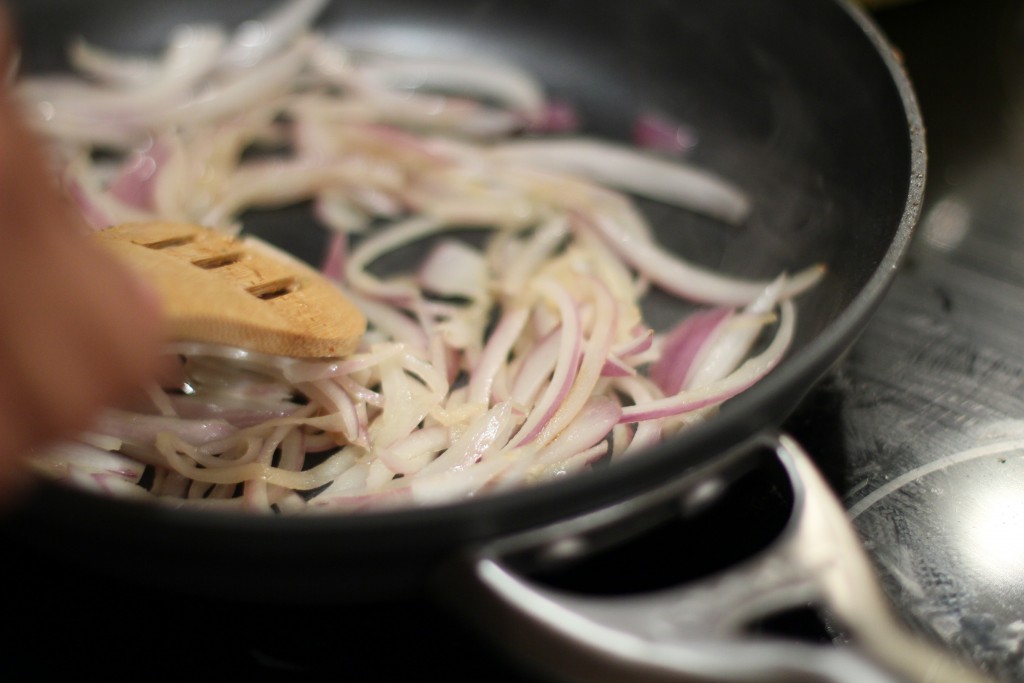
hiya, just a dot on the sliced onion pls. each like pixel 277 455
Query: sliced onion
pixel 595 352
pixel 143 429
pixel 88 459
pixel 258 38
pixel 592 425
pixel 570 351
pixel 481 438
pixel 108 67
pixel 495 353
pixel 454 269
pixel 514 88
pixel 192 52
pixel 480 370
pixel 135 184
pixel 689 281
pixel 659 133
pixel 712 394
pixel 627 169
pixel 681 346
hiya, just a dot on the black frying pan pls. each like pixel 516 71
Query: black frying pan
pixel 800 103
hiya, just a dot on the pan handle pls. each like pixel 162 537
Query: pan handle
pixel 699 631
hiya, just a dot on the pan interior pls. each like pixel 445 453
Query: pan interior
pixel 792 101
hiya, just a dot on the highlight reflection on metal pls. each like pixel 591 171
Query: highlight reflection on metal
pixel 930 403
pixel 991 531
pixel 700 630
pixel 1001 448
pixel 945 224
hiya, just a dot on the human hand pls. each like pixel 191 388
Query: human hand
pixel 77 330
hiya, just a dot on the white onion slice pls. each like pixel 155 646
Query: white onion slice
pixel 744 377
pixel 483 368
pixel 687 280
pixel 481 79
pixel 628 169
pixel 254 40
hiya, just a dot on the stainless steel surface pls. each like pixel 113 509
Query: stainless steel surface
pixel 701 630
pixel 934 422
pixel 928 408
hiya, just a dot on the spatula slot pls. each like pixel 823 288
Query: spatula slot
pixel 177 241
pixel 237 291
pixel 274 288
pixel 218 261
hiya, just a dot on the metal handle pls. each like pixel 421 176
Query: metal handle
pixel 698 631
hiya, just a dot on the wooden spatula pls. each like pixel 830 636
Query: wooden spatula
pixel 238 291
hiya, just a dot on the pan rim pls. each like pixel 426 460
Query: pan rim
pixel 467 519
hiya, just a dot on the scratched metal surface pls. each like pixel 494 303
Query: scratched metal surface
pixel 934 423
pixel 927 411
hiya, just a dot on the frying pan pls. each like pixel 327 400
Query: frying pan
pixel 800 103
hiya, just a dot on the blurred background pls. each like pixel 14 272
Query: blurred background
pixel 929 406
